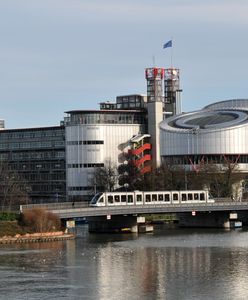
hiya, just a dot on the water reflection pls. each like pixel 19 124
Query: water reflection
pixel 169 264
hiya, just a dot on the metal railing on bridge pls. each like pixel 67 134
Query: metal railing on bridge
pixel 54 206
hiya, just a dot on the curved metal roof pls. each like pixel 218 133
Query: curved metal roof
pixel 217 116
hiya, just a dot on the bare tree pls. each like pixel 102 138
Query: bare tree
pixel 13 188
pixel 218 178
pixel 104 178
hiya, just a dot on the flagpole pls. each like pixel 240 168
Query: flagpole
pixel 171 53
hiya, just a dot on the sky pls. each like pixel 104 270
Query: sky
pixel 61 55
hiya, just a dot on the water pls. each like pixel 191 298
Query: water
pixel 168 264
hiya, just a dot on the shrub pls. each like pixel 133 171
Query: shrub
pixel 8 216
pixel 40 220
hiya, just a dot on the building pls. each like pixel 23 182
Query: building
pixel 92 138
pixel 38 155
pixel 59 162
pixel 120 132
pixel 218 134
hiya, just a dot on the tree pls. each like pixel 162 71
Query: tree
pixel 218 178
pixel 40 220
pixel 13 188
pixel 104 178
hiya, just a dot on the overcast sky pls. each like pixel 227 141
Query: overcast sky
pixel 59 55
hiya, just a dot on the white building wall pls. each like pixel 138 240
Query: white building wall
pixel 225 141
pixel 115 139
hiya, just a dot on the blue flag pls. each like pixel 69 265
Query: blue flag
pixel 168 44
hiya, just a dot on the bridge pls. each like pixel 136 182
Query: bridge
pixel 194 215
pixel 69 210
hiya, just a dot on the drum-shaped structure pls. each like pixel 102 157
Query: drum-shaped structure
pixel 217 133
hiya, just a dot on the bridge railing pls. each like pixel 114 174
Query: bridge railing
pixel 54 206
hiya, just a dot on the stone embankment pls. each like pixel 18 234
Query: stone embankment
pixel 37 237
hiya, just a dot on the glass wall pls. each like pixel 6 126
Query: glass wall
pixel 38 156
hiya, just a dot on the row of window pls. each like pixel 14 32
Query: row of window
pixel 101 118
pixel 45 177
pixel 32 155
pixel 80 188
pixel 53 189
pixel 31 145
pixel 85 142
pixel 92 165
pixel 156 197
pixel 32 134
pixel 40 166
pixel 197 159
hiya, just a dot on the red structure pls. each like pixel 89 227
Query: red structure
pixel 139 154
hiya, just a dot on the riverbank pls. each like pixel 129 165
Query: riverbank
pixel 11 232
pixel 36 237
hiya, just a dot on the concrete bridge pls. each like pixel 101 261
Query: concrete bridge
pixel 218 214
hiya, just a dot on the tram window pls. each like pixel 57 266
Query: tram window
pixel 154 197
pixel 196 196
pixel 167 198
pixel 129 198
pixel 190 196
pixel 138 198
pixel 202 196
pixel 117 198
pixel 184 197
pixel 175 197
pixel 110 199
pixel 160 197
pixel 100 200
pixel 123 198
pixel 148 198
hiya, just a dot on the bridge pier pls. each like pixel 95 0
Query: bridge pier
pixel 120 223
pixel 214 219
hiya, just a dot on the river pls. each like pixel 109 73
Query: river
pixel 167 264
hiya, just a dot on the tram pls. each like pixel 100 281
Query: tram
pixel 152 197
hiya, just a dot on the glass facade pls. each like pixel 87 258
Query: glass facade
pixel 105 117
pixel 38 156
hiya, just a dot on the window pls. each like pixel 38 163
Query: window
pixel 175 197
pixel 148 198
pixel 190 196
pixel 202 196
pixel 184 197
pixel 117 198
pixel 110 199
pixel 130 198
pixel 160 197
pixel 196 196
pixel 138 198
pixel 167 198
pixel 154 197
pixel 123 198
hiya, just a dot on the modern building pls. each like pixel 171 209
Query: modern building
pixel 218 132
pixel 38 156
pixel 59 162
pixel 93 138
pixel 119 132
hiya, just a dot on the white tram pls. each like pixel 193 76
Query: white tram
pixel 148 198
